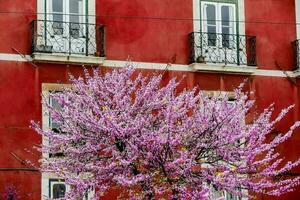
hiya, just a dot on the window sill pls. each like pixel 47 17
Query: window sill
pixel 67 59
pixel 224 69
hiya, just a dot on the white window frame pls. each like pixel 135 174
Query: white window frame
pixel 55 181
pixel 297 11
pixel 197 15
pixel 218 16
pixel 43 14
pixel 222 193
pixel 218 23
pixel 47 88
pixel 91 15
pixel 66 11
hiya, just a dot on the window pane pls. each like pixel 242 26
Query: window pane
pixel 75 30
pixel 57 28
pixel 225 15
pixel 58 190
pixel 57 17
pixel 212 37
pixel 55 124
pixel 225 37
pixel 57 25
pixel 216 193
pixel 74 18
pixel 75 6
pixel 225 30
pixel 211 14
pixel 211 29
pixel 57 5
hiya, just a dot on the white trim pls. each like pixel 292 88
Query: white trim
pixel 196 15
pixel 92 11
pixel 207 68
pixel 46 88
pixel 14 57
pixel 55 181
pixel 147 65
pixel 241 10
pixel 40 9
pixel 172 67
pixel 297 10
pixel 275 73
pixel 45 126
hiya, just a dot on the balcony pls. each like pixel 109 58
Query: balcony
pixel 67 42
pixel 226 52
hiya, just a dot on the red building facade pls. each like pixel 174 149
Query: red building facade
pixel 215 44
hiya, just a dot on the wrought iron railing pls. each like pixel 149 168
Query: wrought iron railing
pixel 67 38
pixel 222 48
pixel 296 48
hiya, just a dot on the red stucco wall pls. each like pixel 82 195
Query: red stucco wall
pixel 273 23
pixel 148 31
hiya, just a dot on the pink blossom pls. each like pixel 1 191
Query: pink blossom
pixel 117 130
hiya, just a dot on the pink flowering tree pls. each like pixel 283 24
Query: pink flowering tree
pixel 123 131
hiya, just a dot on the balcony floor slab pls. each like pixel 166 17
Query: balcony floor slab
pixel 224 69
pixel 67 59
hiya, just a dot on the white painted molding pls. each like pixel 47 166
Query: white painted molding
pixel 14 57
pixel 213 68
pixel 40 9
pixel 147 65
pixel 196 15
pixel 241 10
pixel 172 67
pixel 274 73
pixel 297 10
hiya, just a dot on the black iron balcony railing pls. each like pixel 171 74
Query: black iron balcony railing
pixel 296 47
pixel 222 48
pixel 67 38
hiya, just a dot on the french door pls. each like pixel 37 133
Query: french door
pixel 219 40
pixel 65 26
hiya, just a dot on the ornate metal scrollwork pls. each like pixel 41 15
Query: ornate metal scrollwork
pixel 67 38
pixel 222 48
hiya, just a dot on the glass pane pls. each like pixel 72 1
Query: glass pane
pixel 57 17
pixel 57 26
pixel 57 5
pixel 55 124
pixel 211 29
pixel 225 30
pixel 211 14
pixel 216 193
pixel 74 18
pixel 58 190
pixel 75 6
pixel 75 30
pixel 211 35
pixel 225 37
pixel 225 15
